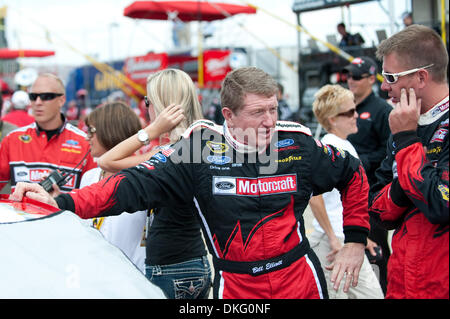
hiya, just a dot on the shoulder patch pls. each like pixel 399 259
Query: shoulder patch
pixel 75 130
pixel 288 126
pixel 202 123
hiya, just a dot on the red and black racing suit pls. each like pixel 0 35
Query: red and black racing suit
pixel 411 196
pixel 250 211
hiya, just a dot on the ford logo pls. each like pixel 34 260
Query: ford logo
pixel 218 160
pixel 284 143
pixel 71 142
pixel 224 185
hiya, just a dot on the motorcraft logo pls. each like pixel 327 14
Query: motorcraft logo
pixel 262 186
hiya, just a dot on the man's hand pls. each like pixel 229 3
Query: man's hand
pixel 33 191
pixel 348 261
pixel 405 115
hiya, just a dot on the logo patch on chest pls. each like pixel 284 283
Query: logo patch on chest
pixel 262 186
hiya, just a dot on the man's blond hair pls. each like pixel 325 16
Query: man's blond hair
pixel 57 80
pixel 417 46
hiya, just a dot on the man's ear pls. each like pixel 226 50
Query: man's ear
pixel 424 77
pixel 228 115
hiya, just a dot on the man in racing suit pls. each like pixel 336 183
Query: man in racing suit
pixel 250 200
pixel 32 152
pixel 411 195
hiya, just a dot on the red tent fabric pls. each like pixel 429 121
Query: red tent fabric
pixel 13 54
pixel 186 10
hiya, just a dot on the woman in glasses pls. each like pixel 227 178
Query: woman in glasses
pixel 334 108
pixel 176 255
pixel 108 125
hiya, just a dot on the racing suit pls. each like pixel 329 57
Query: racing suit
pixel 250 204
pixel 411 196
pixel 27 156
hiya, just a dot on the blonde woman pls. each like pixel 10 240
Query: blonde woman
pixel 176 255
pixel 170 90
pixel 334 108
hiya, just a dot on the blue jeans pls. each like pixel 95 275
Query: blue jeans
pixel 186 280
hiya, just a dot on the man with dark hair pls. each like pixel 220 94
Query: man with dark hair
pixel 348 39
pixel 251 181
pixel 411 193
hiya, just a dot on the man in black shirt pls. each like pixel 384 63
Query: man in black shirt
pixel 373 133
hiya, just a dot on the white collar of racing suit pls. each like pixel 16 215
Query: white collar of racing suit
pixel 280 126
pixel 434 113
pixel 238 146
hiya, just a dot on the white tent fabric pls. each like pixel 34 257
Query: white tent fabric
pixel 60 257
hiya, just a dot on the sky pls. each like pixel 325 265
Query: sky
pixel 99 29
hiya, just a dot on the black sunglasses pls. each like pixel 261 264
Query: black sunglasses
pixel 147 102
pixel 358 77
pixel 348 113
pixel 47 96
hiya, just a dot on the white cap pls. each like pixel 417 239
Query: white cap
pixel 20 100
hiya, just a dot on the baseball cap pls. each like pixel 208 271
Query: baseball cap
pixel 361 65
pixel 20 100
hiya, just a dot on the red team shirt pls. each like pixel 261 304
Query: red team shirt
pixel 27 156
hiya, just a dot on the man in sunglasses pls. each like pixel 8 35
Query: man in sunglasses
pixel 370 140
pixel 411 194
pixel 32 152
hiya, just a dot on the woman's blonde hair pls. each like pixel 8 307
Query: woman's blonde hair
pixel 172 86
pixel 328 101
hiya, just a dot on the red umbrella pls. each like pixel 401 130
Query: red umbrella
pixel 13 54
pixel 186 10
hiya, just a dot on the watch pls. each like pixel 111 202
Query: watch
pixel 143 137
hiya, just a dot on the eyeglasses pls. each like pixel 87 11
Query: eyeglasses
pixel 90 131
pixel 391 78
pixel 358 77
pixel 146 100
pixel 47 96
pixel 349 113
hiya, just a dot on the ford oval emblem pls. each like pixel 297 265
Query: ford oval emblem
pixel 224 185
pixel 218 160
pixel 284 143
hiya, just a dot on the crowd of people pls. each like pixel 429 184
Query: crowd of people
pixel 245 183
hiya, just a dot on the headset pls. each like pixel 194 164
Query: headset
pixel 59 178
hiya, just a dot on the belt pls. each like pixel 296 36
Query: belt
pixel 256 268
